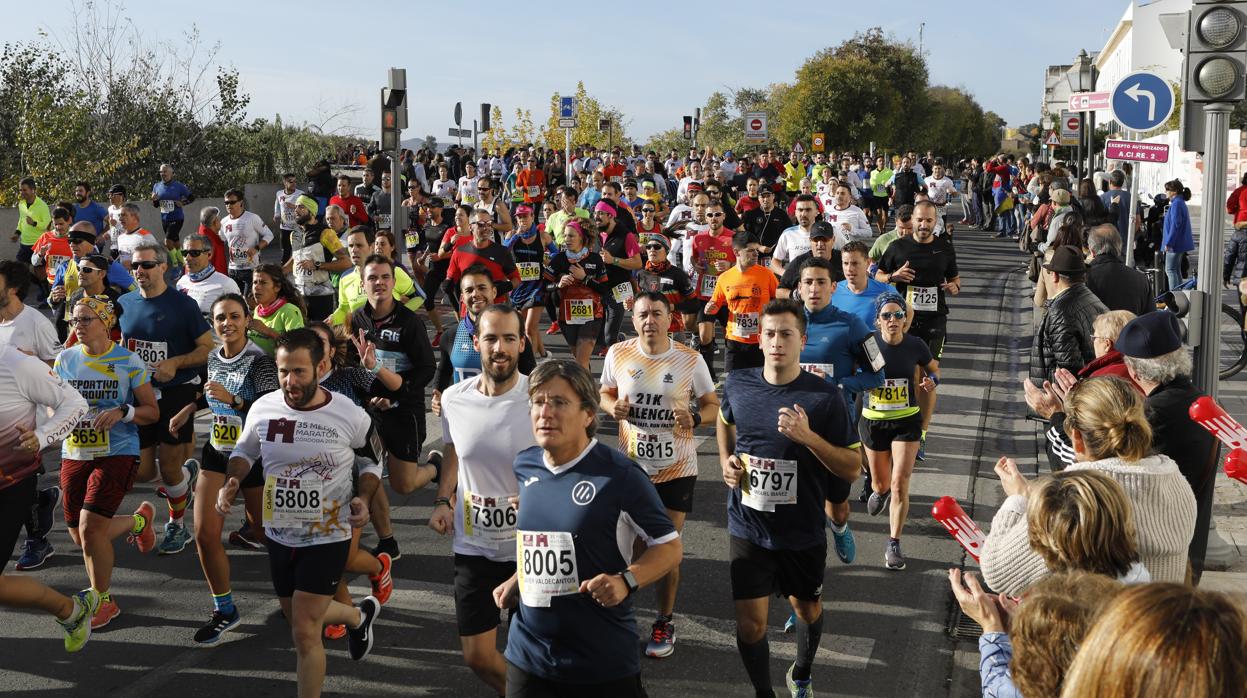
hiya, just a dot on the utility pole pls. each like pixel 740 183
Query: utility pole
pixel 921 27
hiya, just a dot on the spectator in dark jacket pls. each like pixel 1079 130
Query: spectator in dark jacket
pixel 1235 256
pixel 1161 365
pixel 1116 285
pixel 1064 336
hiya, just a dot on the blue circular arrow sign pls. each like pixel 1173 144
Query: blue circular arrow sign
pixel 1142 101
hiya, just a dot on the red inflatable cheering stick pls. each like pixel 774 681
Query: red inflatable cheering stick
pixel 1209 415
pixel 948 512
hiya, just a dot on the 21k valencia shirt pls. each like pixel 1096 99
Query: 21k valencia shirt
pixel 304 452
pixel 572 521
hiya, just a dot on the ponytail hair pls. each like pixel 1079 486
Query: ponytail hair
pixel 1108 414
pixel 1175 186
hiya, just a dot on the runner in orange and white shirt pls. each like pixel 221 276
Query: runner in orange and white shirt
pixel 741 292
pixel 52 248
pixel 649 384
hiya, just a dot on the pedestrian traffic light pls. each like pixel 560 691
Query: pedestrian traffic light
pixel 1216 52
pixel 485 107
pixel 688 128
pixel 1188 305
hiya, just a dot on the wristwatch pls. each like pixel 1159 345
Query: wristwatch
pixel 630 581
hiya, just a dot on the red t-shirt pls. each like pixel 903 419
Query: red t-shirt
pixel 54 251
pixel 356 210
pixel 747 203
pixel 708 249
pixel 220 261
pixel 533 184
pixel 613 173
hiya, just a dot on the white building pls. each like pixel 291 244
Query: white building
pixel 1138 42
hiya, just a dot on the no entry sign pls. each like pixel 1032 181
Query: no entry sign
pixel 755 127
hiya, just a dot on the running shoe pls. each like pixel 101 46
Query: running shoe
pixel 77 626
pixel 175 540
pixel 437 340
pixel 922 449
pixel 48 499
pixel 892 556
pixel 389 546
pixel 877 502
pixel 336 631
pixel 383 582
pixel 243 538
pixel 35 552
pixel 791 624
pixel 435 460
pixel 359 640
pixel 104 614
pixel 554 328
pixel 145 540
pixel 661 639
pixel 218 625
pixel 798 689
pixel 846 546
pixel 865 494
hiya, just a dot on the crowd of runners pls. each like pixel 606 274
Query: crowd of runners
pixel 794 308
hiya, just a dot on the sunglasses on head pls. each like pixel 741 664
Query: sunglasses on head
pixel 145 265
pixel 894 315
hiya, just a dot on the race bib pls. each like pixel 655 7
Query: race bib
pixel 534 192
pixel 167 205
pixel 488 521
pixel 768 482
pixel 225 430
pixel 412 238
pixel 529 271
pixel 545 565
pixel 54 262
pixel 653 450
pixel 287 214
pixel 383 220
pixel 86 442
pixel 151 353
pixel 578 311
pixel 829 370
pixel 622 292
pixel 240 256
pixel 707 285
pixel 926 298
pixel 745 325
pixel 893 395
pixel 291 502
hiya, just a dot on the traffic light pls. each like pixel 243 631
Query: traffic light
pixel 393 108
pixel 485 107
pixel 1216 52
pixel 688 128
pixel 1188 305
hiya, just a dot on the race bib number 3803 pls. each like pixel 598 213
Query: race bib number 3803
pixel 546 565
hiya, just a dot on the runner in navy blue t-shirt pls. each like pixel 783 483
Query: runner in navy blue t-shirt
pixel 574 628
pixel 789 430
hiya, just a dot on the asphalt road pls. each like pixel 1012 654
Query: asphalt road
pixel 885 633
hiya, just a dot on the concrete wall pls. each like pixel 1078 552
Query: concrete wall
pixel 260 198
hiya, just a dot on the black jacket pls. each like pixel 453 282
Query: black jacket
pixel 1235 256
pixel 1064 337
pixel 1118 286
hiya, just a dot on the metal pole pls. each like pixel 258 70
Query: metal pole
pixel 1132 225
pixel 396 201
pixel 475 147
pixel 1211 242
pixel 1090 143
pixel 567 154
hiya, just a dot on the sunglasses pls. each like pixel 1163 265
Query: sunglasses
pixel 229 202
pixel 145 265
pixel 715 215
pixel 89 270
pixel 195 253
pixel 895 315
pixel 647 210
pixel 655 247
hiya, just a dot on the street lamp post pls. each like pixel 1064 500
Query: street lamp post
pixel 1081 78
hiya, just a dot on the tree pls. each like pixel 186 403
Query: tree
pixel 589 111
pixel 956 124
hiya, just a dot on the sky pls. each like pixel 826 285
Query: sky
pixel 306 61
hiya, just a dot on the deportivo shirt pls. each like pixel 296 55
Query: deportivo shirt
pixel 207 291
pixel 487 433
pixel 314 448
pixel 160 328
pixel 106 381
pixel 744 293
pixel 933 263
pixel 584 503
pixel 752 405
pixel 654 385
pixel 27 387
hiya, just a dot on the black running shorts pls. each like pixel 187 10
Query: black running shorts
pixel 758 572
